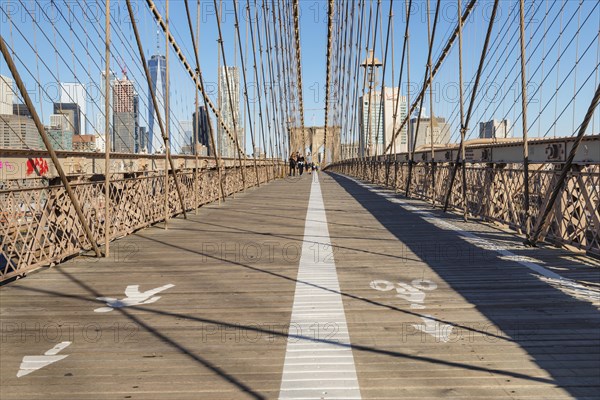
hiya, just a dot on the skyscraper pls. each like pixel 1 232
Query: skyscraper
pixel 72 92
pixel 391 96
pixel 371 127
pixel 158 72
pixel 19 132
pixel 60 132
pixel 187 132
pixel 124 117
pixel 441 131
pixel 101 119
pixel 21 109
pixel 377 134
pixel 60 121
pixel 143 139
pixel 73 113
pixel 494 129
pixel 229 114
pixel 6 95
pixel 200 128
pixel 136 120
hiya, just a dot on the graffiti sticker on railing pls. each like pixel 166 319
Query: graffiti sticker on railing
pixel 37 165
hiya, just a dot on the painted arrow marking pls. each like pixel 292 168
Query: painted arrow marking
pixel 33 363
pixel 134 298
pixel 432 327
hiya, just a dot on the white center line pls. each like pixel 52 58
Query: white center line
pixel 318 362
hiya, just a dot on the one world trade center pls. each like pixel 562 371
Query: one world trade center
pixel 158 69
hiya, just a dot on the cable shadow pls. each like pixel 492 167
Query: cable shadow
pixel 287 336
pixel 303 220
pixel 298 239
pixel 294 280
pixel 558 317
pixel 171 342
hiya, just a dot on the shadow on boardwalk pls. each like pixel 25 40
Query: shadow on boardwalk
pixel 560 333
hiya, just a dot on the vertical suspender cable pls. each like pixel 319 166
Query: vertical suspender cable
pixel 431 116
pixel 241 152
pixel 167 119
pixel 330 10
pixel 196 111
pixel 107 94
pixel 155 103
pixel 422 98
pixel 200 85
pixel 524 117
pixel 437 66
pixel 246 91
pixel 463 130
pixel 258 95
pixel 409 138
pixel 472 99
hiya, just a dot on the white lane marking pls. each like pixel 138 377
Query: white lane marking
pixel 31 364
pixel 134 298
pixel 319 364
pixel 568 286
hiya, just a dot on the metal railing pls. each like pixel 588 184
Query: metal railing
pixel 39 226
pixel 495 193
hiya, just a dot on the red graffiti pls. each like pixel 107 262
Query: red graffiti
pixel 38 165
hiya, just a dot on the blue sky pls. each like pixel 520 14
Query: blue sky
pixel 80 55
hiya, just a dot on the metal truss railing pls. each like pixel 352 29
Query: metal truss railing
pixel 495 193
pixel 39 226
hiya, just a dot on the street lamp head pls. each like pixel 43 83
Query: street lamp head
pixel 371 61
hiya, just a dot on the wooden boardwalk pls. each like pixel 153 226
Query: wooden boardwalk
pixel 378 297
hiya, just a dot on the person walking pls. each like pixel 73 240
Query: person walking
pixel 293 165
pixel 300 164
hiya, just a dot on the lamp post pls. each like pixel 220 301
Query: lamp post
pixel 371 65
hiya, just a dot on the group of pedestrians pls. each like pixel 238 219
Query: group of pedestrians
pixel 297 162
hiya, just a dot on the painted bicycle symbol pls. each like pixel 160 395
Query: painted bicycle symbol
pixel 414 293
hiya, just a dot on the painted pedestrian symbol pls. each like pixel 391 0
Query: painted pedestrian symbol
pixel 134 298
pixel 33 363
